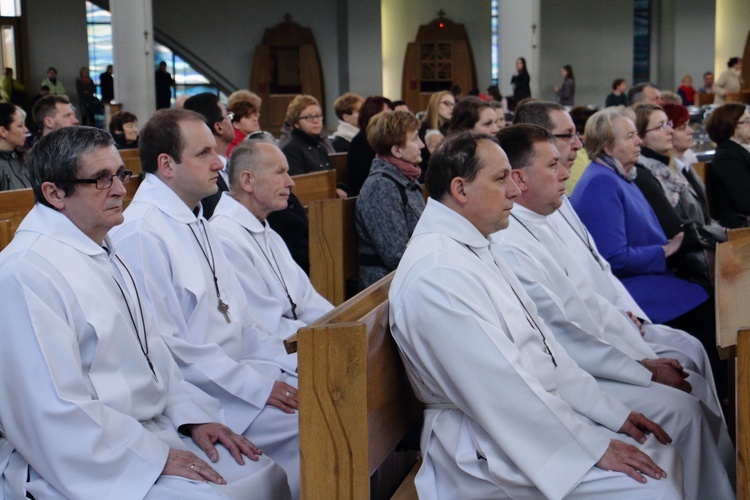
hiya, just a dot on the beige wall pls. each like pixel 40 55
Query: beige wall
pixel 732 25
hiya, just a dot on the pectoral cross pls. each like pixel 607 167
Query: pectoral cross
pixel 223 308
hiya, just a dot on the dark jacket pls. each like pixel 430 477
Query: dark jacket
pixel 305 154
pixel 13 173
pixel 730 184
pixel 358 162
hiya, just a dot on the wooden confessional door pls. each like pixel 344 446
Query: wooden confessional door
pixel 439 57
pixel 285 64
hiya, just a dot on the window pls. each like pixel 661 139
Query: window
pixel 10 8
pixel 99 22
pixel 494 41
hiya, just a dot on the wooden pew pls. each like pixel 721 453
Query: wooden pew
pixel 14 205
pixel 703 169
pixel 131 160
pixel 703 98
pixel 355 402
pixel 333 247
pixel 338 160
pixel 315 186
pixel 733 337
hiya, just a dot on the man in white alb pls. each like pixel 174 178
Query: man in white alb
pixel 276 287
pixel 192 289
pixel 666 342
pixel 508 413
pixel 601 340
pixel 92 404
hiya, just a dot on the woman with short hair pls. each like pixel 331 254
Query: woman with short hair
pixel 390 201
pixel 124 129
pixel 245 106
pixel 729 127
pixel 360 156
pixel 304 152
pixel 471 114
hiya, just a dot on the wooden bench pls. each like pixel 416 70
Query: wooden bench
pixel 333 247
pixel 703 169
pixel 315 186
pixel 703 98
pixel 14 205
pixel 355 403
pixel 131 160
pixel 338 160
pixel 733 337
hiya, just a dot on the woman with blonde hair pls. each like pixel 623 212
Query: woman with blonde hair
pixel 304 152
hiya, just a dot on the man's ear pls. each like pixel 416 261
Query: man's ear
pixel 54 195
pixel 247 181
pixel 457 190
pixel 165 165
pixel 519 178
pixel 49 122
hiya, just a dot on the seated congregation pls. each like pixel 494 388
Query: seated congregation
pixel 556 346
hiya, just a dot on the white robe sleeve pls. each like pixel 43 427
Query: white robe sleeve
pixel 78 444
pixel 205 364
pixel 449 333
pixel 598 357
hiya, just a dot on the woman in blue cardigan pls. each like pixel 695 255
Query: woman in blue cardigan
pixel 623 224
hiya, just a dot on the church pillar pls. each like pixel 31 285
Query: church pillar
pixel 133 47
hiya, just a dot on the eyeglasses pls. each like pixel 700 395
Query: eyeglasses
pixel 105 181
pixel 570 137
pixel 743 122
pixel 229 115
pixel 311 118
pixel 662 127
pixel 448 103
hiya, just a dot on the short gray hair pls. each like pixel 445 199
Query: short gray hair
pixel 55 157
pixel 247 155
pixel 599 132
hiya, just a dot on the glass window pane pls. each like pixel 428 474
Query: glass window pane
pixel 10 8
pixel 8 42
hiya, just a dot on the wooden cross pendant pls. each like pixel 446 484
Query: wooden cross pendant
pixel 224 309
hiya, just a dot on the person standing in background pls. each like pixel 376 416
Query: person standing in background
pixel 164 83
pixel 567 91
pixel 107 85
pixel 520 82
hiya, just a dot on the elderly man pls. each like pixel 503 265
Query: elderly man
pixel 536 424
pixel 186 278
pixel 92 404
pixel 665 341
pixel 275 286
pixel 600 339
pixel 644 92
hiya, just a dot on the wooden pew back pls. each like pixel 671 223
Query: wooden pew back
pixel 14 205
pixel 315 186
pixel 703 169
pixel 333 247
pixel 355 402
pixel 338 160
pixel 132 160
pixel 733 337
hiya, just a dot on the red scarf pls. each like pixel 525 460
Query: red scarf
pixel 410 170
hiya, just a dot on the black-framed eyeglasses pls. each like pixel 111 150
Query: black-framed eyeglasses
pixel 570 137
pixel 105 181
pixel 311 118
